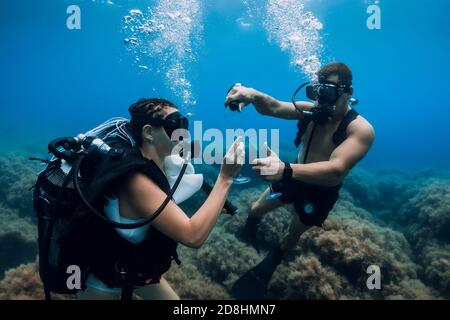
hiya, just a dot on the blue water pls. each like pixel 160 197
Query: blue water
pixel 56 82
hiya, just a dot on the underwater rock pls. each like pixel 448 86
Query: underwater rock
pixel 189 283
pixel 223 258
pixel 409 241
pixel 425 218
pixel 426 215
pixel 17 240
pixel 383 194
pixel 363 188
pixel 17 176
pixel 434 260
pixel 23 283
pixel 306 278
pixel 331 263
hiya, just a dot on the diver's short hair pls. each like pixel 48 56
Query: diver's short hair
pixel 146 111
pixel 338 68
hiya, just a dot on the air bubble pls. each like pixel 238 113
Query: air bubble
pixel 135 12
pixel 131 41
pixel 297 32
pixel 165 38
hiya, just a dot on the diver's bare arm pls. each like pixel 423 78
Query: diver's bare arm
pixel 144 198
pixel 343 158
pixel 267 105
pixel 204 219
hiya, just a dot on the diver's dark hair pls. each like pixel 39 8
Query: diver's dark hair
pixel 146 111
pixel 340 69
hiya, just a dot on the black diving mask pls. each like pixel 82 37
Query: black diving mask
pixel 326 93
pixel 174 121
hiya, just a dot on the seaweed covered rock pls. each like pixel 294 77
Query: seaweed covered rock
pixel 306 278
pixel 363 188
pixel 18 242
pixel 17 176
pixel 23 283
pixel 425 220
pixel 223 258
pixel 331 263
pixel 426 215
pixel 385 192
pixel 395 221
pixel 189 283
pixel 434 260
pixel 328 263
pixel 272 225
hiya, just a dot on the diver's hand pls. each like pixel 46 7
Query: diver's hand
pixel 270 168
pixel 233 160
pixel 241 94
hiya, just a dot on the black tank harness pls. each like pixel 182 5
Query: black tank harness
pixel 338 137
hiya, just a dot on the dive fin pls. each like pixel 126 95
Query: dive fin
pixel 253 284
pixel 249 287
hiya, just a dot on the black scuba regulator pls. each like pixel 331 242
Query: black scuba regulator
pixel 69 148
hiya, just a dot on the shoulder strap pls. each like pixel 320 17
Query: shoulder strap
pixel 341 133
pixel 302 125
pixel 111 169
pixel 154 172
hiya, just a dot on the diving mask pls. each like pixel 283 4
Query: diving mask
pixel 326 94
pixel 174 121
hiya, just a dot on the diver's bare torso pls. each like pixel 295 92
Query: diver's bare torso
pixel 321 146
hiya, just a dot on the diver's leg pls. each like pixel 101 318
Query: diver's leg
pixel 159 291
pixel 254 283
pixel 296 229
pixel 257 210
pixel 262 206
pixel 95 294
pixel 266 268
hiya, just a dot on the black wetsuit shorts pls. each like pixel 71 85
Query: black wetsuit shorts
pixel 312 203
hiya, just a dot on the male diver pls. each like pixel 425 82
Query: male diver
pixel 334 138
